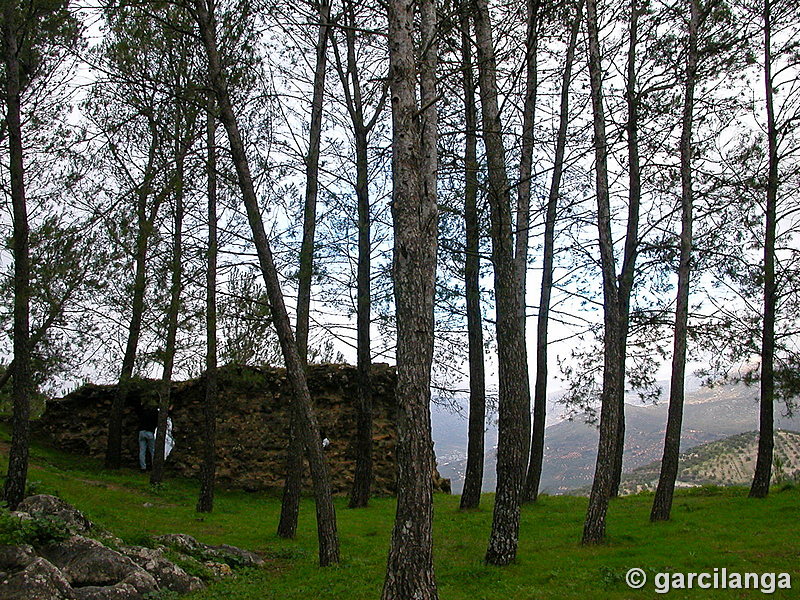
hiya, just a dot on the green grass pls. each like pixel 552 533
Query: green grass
pixel 711 528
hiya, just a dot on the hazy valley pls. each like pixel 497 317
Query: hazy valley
pixel 710 414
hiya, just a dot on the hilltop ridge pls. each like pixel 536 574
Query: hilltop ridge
pixel 730 461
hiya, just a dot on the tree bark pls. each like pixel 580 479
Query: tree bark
pixel 312 183
pixel 523 221
pixel 16 477
pixel 409 572
pixel 144 224
pixel 292 487
pixel 205 502
pixel 662 502
pixel 531 490
pixel 473 478
pixel 295 368
pixel 594 525
pixel 362 479
pixel 630 252
pixel 766 440
pixel 514 393
pixel 351 86
pixel 176 275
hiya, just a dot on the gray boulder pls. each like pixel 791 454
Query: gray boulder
pixel 230 555
pixel 180 542
pixel 118 591
pixel 106 537
pixel 234 556
pixel 86 562
pixel 40 580
pixel 42 504
pixel 141 580
pixel 14 558
pixel 167 574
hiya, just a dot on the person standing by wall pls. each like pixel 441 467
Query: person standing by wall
pixel 148 421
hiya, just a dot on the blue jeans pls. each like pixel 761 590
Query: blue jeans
pixel 147 444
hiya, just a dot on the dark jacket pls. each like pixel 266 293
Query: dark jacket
pixel 148 418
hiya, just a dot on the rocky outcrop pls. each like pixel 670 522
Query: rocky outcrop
pixel 118 591
pixel 15 558
pixel 252 424
pixel 230 555
pixel 52 506
pixel 83 568
pixel 168 575
pixel 40 580
pixel 87 562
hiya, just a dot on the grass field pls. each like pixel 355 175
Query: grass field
pixel 711 528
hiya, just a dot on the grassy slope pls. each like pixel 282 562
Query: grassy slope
pixel 710 528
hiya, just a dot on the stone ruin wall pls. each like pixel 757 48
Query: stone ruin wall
pixel 252 425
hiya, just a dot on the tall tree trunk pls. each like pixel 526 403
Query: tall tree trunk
pixel 594 525
pixel 473 479
pixel 523 220
pixel 531 490
pixel 627 275
pixel 514 394
pixel 662 502
pixel 205 502
pixel 292 487
pixel 409 572
pixel 312 183
pixel 766 441
pixel 295 368
pixel 14 487
pixel 176 273
pixel 351 84
pixel 144 224
pixel 362 479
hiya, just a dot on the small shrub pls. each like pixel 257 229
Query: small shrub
pixel 191 565
pixel 35 531
pixel 778 470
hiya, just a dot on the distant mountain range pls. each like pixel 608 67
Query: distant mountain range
pixel 710 414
